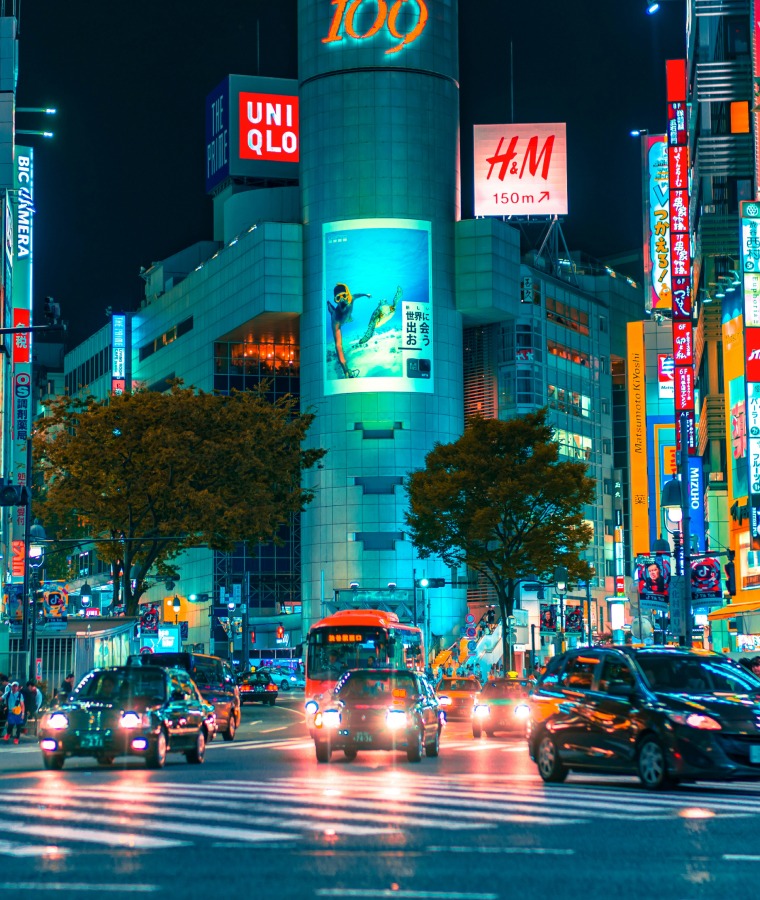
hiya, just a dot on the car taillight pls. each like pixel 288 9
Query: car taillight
pixel 271 687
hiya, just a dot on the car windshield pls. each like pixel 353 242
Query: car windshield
pixel 458 684
pixel 386 686
pixel 691 675
pixel 134 686
pixel 504 689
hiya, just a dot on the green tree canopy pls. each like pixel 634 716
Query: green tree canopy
pixel 500 501
pixel 164 472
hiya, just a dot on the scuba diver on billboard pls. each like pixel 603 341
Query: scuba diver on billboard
pixel 340 313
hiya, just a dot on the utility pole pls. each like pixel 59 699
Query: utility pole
pixel 245 663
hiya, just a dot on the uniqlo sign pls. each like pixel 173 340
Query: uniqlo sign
pixel 521 170
pixel 268 127
pixel 752 343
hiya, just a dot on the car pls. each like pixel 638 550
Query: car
pixel 257 687
pixel 668 715
pixel 501 705
pixel 284 678
pixel 379 709
pixel 214 677
pixel 129 711
pixel 457 695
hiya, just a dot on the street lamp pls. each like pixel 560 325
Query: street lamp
pixel 560 586
pixel 176 606
pixel 85 595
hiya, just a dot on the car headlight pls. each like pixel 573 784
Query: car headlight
pixel 522 711
pixel 396 718
pixel 330 719
pixel 311 707
pixel 696 720
pixel 130 720
pixel 481 711
pixel 58 721
pixel 444 700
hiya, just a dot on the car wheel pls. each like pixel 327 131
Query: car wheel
pixel 104 759
pixel 198 753
pixel 549 766
pixel 323 751
pixel 229 734
pixel 53 761
pixel 434 747
pixel 414 749
pixel 477 731
pixel 653 767
pixel 350 755
pixel 272 701
pixel 284 685
pixel 155 758
pixel 490 732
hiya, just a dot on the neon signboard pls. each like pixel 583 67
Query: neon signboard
pixel 520 170
pixel 353 19
pixel 268 127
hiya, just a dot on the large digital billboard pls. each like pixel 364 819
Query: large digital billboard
pixel 378 309
pixel 521 170
pixel 656 222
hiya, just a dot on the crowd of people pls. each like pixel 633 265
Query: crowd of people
pixel 20 704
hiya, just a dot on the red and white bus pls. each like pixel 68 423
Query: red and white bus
pixel 357 639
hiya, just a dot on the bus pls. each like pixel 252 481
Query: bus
pixel 357 639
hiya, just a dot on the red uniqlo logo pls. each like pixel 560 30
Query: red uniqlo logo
pixel 268 127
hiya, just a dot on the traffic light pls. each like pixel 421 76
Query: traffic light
pixel 14 495
pixel 52 311
pixel 730 570
pixel 280 632
pixel 431 582
pixel 253 636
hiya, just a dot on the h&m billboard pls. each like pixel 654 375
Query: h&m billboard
pixel 521 170
pixel 252 129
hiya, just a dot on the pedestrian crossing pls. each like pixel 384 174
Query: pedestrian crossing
pixel 151 815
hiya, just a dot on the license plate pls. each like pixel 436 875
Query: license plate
pixel 363 737
pixel 754 753
pixel 91 740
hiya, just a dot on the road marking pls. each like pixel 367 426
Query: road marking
pixel 89 835
pixel 538 851
pixel 269 730
pixel 402 895
pixel 740 857
pixel 76 886
pixel 12 848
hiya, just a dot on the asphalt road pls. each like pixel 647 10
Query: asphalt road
pixel 262 818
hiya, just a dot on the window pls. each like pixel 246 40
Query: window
pixel 566 315
pixel 603 324
pixel 615 673
pixel 575 356
pixel 579 673
pixel 568 401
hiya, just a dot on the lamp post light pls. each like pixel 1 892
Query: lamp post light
pixel 176 606
pixel 560 586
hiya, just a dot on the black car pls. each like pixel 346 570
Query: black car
pixel 214 677
pixel 501 705
pixel 666 714
pixel 128 711
pixel 257 687
pixel 379 709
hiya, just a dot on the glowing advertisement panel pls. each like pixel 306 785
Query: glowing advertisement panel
pixel 665 377
pixel 521 170
pixel 377 285
pixel 657 223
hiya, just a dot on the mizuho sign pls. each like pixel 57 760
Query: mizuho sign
pixel 353 19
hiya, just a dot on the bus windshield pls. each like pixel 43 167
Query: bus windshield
pixel 333 650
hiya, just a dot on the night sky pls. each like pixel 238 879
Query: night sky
pixel 122 183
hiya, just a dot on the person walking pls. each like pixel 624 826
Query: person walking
pixel 67 687
pixel 15 721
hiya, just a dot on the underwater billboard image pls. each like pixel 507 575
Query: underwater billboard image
pixel 378 309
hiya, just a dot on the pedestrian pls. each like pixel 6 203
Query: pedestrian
pixel 68 686
pixel 32 700
pixel 756 666
pixel 15 721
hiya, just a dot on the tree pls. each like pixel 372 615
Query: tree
pixel 152 474
pixel 500 501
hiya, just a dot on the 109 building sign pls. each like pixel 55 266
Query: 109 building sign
pixel 352 18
